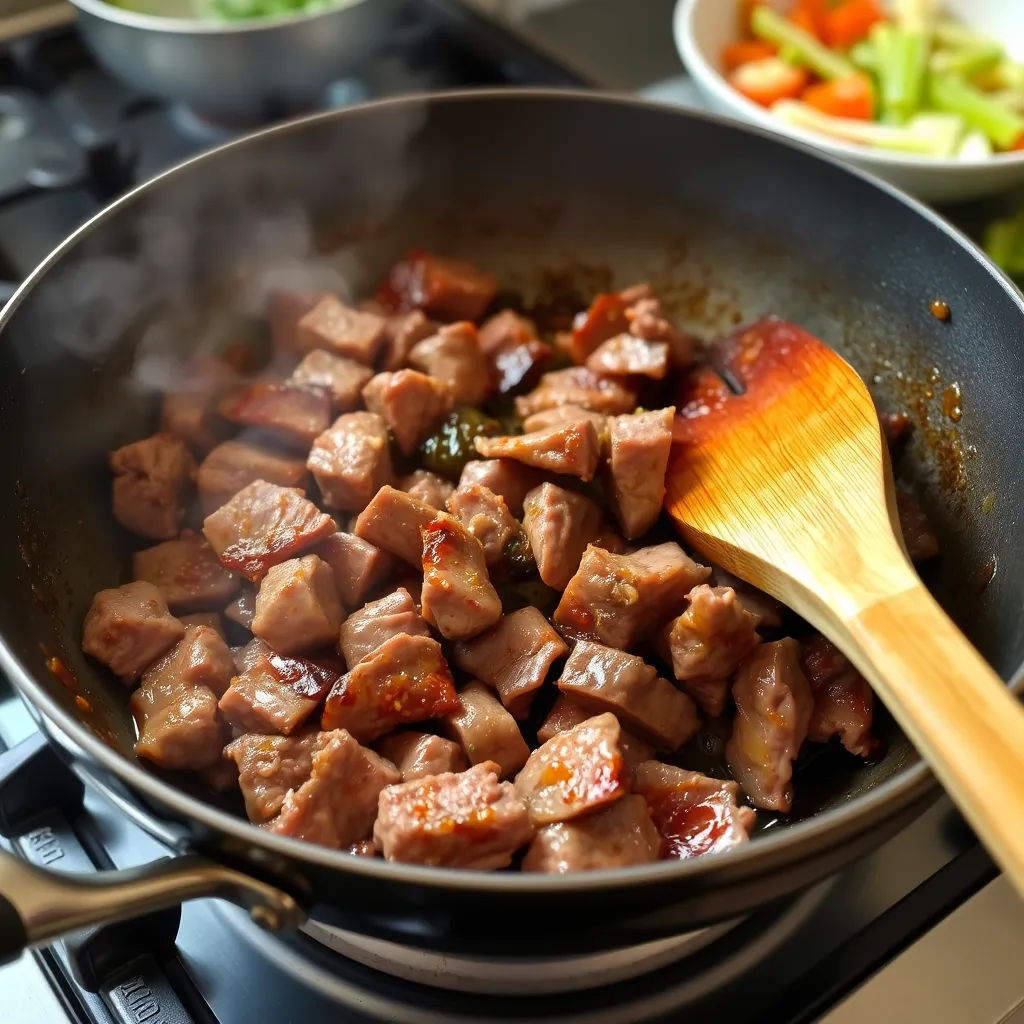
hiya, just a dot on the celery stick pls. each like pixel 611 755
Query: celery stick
pixel 791 55
pixel 902 73
pixel 768 24
pixel 952 34
pixel 864 56
pixel 968 61
pixel 955 96
pixel 915 16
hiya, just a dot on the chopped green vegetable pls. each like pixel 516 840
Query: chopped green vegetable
pixel 954 34
pixel 902 64
pixel 235 10
pixel 915 16
pixel 955 96
pixel 451 446
pixel 864 56
pixel 1004 243
pixel 518 556
pixel 975 146
pixel 768 24
pixel 968 61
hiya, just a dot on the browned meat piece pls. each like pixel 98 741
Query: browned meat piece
pixel 243 608
pixel 625 355
pixel 565 714
pixel 189 410
pixel 504 329
pixel 560 525
pixel 403 332
pixel 211 619
pixel 605 318
pixel 175 706
pixel 345 331
pixel 418 754
pixel 351 461
pixel 695 814
pixel 411 403
pixel 603 679
pixel 486 731
pixel 572 448
pixel 515 352
pixel 336 806
pixel 187 572
pixel 297 606
pixel 129 627
pixel 151 478
pixel 895 425
pixel 513 656
pixel 464 820
pixel 284 311
pixel 364 631
pixel 565 414
pixel 342 378
pixel 487 518
pixel 458 597
pixel 918 536
pixel 444 288
pixel 263 525
pixel 247 655
pixel 843 700
pixel 358 566
pixel 234 465
pixel 647 321
pixel 431 489
pixel 623 599
pixel 773 710
pixel 296 412
pixel 579 386
pixel 575 772
pixel 706 644
pixel 509 480
pixel 453 356
pixel 269 766
pixel 766 610
pixel 405 680
pixel 393 520
pixel 617 837
pixel 637 460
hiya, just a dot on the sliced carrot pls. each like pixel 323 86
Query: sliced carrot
pixel 849 96
pixel 850 21
pixel 1019 144
pixel 768 80
pixel 735 54
pixel 811 15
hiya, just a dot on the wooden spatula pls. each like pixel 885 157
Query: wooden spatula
pixel 788 486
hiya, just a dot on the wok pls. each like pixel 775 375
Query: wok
pixel 551 191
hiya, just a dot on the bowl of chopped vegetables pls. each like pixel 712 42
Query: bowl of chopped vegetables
pixel 928 94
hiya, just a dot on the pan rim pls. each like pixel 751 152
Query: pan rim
pixel 788 845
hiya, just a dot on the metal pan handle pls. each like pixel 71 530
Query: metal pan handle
pixel 38 906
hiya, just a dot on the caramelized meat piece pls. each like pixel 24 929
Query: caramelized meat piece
pixel 513 656
pixel 487 518
pixel 637 460
pixel 565 414
pixel 342 378
pixel 578 386
pixel 625 355
pixel 431 489
pixel 130 627
pixel 211 619
pixel 617 837
pixel 296 412
pixel 918 536
pixel 706 644
pixel 604 319
pixel 393 520
pixel 189 410
pixel 843 701
pixel 345 331
pixel 187 572
pixel 410 402
pixel 693 813
pixel 623 599
pixel 234 465
pixel 405 680
pixel 418 754
pixel 510 480
pixel 263 525
pixel 444 288
pixel 364 631
pixel 403 332
pixel 243 608
pixel 297 607
pixel 453 356
pixel 151 478
pixel 511 344
pixel 565 714
pixel 464 820
pixel 351 461
pixel 773 711
pixel 603 679
pixel 284 311
pixel 486 731
pixel 572 448
pixel 504 329
pixel 458 597
pixel 560 525
pixel 766 610
pixel 647 321
pixel 270 766
pixel 358 566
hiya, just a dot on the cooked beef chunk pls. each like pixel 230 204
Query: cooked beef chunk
pixel 211 619
pixel 410 402
pixel 454 357
pixel 151 478
pixel 509 480
pixel 647 321
pixel 393 520
pixel 263 525
pixel 766 610
pixel 351 460
pixel 895 425
pixel 336 806
pixel 843 701
pixel 412 584
pixel 444 288
pixel 405 680
pixel 187 572
pixel 297 606
pixel 243 608
pixel 617 837
pixel 364 631
pixel 358 566
pixel 342 378
pixel 404 330
pixel 175 705
pixel 560 525
pixel 284 311
pixel 487 518
pixel 130 627
pixel 234 465
pixel 464 820
pixel 513 656
pixel 566 414
pixel 295 412
pixel 515 352
pixel 247 655
pixel 578 386
pixel 575 772
pixel 605 318
pixel 604 679
pixel 270 766
pixel 637 459
pixel 431 489
pixel 565 714
pixel 918 536
pixel 458 597
pixel 418 754
pixel 571 448
pixel 773 710
pixel 625 355
pixel 623 599
pixel 706 644
pixel 345 331
pixel 189 410
pixel 693 813
pixel 486 731
pixel 504 329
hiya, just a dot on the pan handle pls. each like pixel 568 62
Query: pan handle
pixel 38 906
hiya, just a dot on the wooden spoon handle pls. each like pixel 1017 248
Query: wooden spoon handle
pixel 955 709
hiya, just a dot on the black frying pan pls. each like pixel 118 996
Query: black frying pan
pixel 548 191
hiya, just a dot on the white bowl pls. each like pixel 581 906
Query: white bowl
pixel 703 27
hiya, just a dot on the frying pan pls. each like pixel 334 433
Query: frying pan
pixel 550 191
